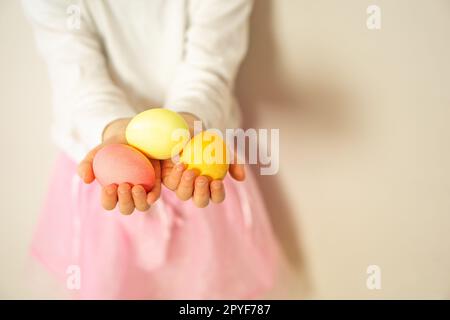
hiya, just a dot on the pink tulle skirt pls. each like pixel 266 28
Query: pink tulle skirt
pixel 173 251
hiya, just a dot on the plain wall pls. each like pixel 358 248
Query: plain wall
pixel 364 154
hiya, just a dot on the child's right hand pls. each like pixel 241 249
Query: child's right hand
pixel 128 198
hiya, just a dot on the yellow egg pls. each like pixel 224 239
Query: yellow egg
pixel 207 154
pixel 159 133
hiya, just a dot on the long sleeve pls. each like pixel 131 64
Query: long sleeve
pixel 85 99
pixel 216 42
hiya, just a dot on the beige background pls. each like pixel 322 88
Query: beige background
pixel 365 176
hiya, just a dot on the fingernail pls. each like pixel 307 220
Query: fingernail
pixel 110 190
pixel 190 175
pixel 216 186
pixel 124 190
pixel 180 167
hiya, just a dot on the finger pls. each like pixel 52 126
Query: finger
pixel 237 171
pixel 85 170
pixel 217 191
pixel 154 194
pixel 109 197
pixel 186 186
pixel 172 178
pixel 201 192
pixel 140 198
pixel 126 204
pixel 166 167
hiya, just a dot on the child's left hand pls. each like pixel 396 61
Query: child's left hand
pixel 187 184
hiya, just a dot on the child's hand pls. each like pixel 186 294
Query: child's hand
pixel 187 185
pixel 128 197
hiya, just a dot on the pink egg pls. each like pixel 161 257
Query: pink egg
pixel 120 163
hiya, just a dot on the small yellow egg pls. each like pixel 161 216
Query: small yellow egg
pixel 207 154
pixel 159 133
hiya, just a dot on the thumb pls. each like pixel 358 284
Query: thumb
pixel 85 170
pixel 237 171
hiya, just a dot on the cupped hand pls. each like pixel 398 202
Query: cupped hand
pixel 187 184
pixel 126 197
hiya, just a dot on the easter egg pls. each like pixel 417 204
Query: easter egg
pixel 156 132
pixel 119 163
pixel 207 154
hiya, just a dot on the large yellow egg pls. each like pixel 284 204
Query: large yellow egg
pixel 158 133
pixel 207 154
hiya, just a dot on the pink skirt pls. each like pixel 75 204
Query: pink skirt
pixel 173 251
